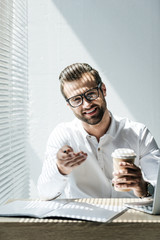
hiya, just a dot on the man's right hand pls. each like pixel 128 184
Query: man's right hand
pixel 67 160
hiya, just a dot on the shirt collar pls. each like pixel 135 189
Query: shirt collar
pixel 112 128
pixel 110 132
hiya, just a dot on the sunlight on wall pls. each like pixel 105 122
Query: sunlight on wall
pixel 126 57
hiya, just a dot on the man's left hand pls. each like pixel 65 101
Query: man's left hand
pixel 130 176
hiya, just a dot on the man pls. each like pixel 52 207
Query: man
pixel 78 161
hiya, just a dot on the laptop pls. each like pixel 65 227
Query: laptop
pixel 151 206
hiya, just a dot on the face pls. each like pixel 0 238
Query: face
pixel 90 112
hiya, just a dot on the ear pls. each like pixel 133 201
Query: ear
pixel 69 106
pixel 104 90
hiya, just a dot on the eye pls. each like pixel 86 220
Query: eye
pixel 76 99
pixel 91 94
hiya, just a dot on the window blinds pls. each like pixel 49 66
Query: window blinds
pixel 14 179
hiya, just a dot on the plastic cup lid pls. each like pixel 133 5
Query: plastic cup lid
pixel 123 153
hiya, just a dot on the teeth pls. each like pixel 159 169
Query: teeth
pixel 91 111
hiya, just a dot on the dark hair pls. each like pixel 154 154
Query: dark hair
pixel 75 72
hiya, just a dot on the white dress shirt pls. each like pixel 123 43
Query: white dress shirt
pixel 93 178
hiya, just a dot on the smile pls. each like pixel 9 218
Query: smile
pixel 91 111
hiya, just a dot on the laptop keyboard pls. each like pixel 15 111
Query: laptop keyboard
pixel 143 208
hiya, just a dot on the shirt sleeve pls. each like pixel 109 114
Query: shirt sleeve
pixel 149 156
pixel 51 182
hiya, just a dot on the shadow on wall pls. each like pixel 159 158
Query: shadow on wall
pixel 123 38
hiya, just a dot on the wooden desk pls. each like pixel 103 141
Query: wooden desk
pixel 130 225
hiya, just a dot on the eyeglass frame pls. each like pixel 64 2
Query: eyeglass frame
pixel 83 95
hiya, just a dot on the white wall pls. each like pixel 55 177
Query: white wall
pixel 120 38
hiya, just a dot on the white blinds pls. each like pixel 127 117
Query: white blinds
pixel 13 99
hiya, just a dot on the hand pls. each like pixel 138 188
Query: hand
pixel 67 160
pixel 130 176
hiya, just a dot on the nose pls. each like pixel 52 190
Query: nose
pixel 86 102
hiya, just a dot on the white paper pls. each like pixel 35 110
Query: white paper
pixel 30 208
pixel 66 208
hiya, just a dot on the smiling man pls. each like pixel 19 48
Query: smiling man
pixel 78 161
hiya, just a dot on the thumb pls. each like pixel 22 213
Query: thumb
pixel 67 149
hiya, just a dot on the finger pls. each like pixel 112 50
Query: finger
pixel 67 154
pixel 79 154
pixel 127 180
pixel 127 172
pixel 82 153
pixel 67 149
pixel 77 163
pixel 129 165
pixel 125 185
pixel 71 162
pixel 71 156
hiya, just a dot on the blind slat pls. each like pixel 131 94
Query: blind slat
pixel 14 174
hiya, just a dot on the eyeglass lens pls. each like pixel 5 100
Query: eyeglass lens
pixel 89 95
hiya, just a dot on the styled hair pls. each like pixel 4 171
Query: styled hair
pixel 75 71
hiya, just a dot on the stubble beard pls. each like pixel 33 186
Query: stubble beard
pixel 95 119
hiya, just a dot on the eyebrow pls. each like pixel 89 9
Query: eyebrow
pixel 82 93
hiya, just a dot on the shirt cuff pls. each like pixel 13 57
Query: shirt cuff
pixel 52 186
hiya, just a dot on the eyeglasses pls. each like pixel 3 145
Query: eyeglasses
pixel 89 95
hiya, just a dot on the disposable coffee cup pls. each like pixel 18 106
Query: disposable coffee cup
pixel 122 155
